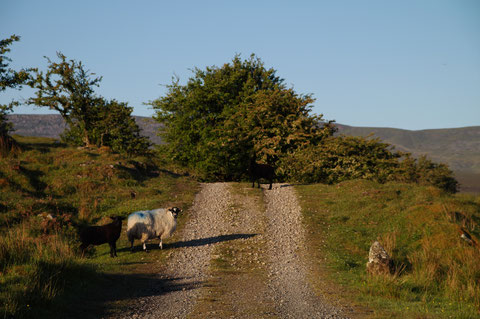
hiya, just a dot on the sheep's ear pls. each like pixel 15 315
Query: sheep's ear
pixel 174 211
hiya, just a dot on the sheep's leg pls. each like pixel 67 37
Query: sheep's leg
pixel 270 184
pixel 83 247
pixel 112 249
pixel 144 241
pixel 161 244
pixel 131 245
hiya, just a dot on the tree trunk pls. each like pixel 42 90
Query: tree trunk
pixel 86 139
pixel 8 145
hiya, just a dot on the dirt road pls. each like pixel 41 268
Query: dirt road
pixel 241 255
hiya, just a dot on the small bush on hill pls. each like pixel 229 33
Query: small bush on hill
pixel 342 158
pixel 425 172
pixel 114 127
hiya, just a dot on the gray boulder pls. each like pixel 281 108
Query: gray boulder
pixel 379 262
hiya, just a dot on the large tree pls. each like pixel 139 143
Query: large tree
pixel 12 79
pixel 69 89
pixel 225 115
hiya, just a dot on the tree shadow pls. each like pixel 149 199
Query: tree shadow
pixel 45 147
pixel 208 240
pixel 34 177
pixel 112 293
pixel 191 243
pixel 172 174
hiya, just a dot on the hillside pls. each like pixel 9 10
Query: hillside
pixel 52 125
pixel 457 147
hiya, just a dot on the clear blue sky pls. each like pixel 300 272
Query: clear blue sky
pixel 412 64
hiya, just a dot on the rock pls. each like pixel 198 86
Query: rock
pixel 379 262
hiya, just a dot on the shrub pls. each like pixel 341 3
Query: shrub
pixel 225 115
pixel 345 158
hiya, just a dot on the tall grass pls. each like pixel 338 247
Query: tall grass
pixel 46 193
pixel 34 269
pixel 437 272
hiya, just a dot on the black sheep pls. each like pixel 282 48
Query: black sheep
pixel 258 171
pixel 97 235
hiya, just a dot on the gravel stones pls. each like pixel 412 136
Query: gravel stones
pixel 286 239
pixel 188 266
pixel 278 282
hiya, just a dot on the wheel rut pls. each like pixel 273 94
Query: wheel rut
pixel 294 295
pixel 241 255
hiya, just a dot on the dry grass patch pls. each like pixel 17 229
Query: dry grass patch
pixel 438 273
pixel 47 192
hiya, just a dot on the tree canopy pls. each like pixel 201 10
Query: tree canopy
pixel 12 79
pixel 68 88
pixel 225 115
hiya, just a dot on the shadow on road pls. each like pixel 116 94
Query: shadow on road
pixel 189 243
pixel 208 240
pixel 121 290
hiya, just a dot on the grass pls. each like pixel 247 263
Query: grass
pixel 47 191
pixel 438 273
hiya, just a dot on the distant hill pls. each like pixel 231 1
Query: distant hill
pixel 52 125
pixel 457 147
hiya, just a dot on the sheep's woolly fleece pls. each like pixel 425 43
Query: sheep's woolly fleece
pixel 284 292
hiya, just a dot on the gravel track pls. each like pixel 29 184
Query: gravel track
pixel 188 266
pixel 286 240
pixel 285 289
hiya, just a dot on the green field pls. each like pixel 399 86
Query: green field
pixel 437 272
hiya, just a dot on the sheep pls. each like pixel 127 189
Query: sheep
pixel 97 235
pixel 158 223
pixel 258 171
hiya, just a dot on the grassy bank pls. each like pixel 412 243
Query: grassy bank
pixel 437 272
pixel 47 192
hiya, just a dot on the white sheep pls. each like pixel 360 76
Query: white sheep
pixel 158 223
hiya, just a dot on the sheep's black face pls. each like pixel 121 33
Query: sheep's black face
pixel 175 211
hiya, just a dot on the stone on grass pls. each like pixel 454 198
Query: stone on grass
pixel 379 262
